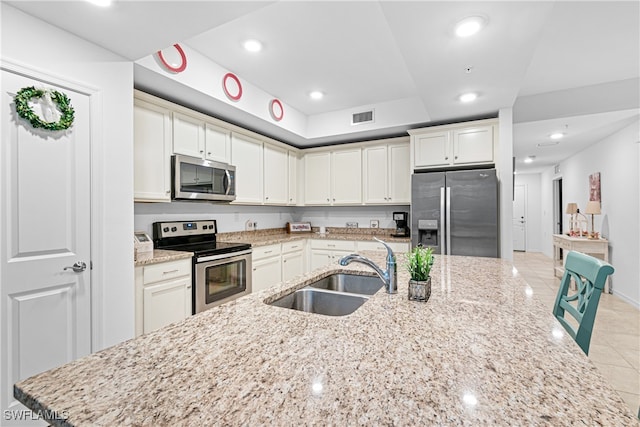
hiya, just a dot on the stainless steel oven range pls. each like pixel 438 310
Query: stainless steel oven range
pixel 221 271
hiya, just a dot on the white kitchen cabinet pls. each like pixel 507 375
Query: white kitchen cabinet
pixel 346 177
pixel 317 178
pixel 246 156
pixel 396 247
pixel 163 294
pixel 166 303
pixel 293 177
pixel 292 265
pixel 267 267
pixel 293 259
pixel 193 136
pixel 461 144
pixel 387 174
pixel 473 145
pixel 325 252
pixel 151 152
pixel 276 179
pixel 333 177
pixel 188 135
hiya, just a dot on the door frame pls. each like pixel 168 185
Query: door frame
pixel 97 187
pixel 558 215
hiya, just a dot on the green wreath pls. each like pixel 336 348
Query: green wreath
pixel 23 109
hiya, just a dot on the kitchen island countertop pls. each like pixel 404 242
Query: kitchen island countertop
pixel 481 351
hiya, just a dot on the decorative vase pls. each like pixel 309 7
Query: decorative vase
pixel 420 290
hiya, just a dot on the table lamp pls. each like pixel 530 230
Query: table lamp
pixel 572 209
pixel 593 208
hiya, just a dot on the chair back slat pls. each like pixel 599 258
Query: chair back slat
pixel 589 274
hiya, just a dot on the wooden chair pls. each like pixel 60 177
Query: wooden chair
pixel 589 274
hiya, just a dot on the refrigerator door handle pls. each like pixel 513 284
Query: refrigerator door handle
pixel 448 220
pixel 443 221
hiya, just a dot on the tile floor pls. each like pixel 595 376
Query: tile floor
pixel 615 342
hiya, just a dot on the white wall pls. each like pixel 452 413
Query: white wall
pixel 37 45
pixel 233 217
pixel 228 217
pixel 618 161
pixel 533 213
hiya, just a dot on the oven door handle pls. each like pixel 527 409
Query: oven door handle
pixel 223 256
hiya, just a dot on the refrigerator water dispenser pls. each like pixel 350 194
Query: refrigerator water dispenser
pixel 428 232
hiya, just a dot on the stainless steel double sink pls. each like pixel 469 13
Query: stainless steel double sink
pixel 335 295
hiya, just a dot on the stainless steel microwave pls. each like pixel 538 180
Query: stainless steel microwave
pixel 198 179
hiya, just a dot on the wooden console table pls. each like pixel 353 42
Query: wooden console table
pixel 597 247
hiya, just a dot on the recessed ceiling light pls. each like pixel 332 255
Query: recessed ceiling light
pixel 529 159
pixel 316 94
pixel 252 45
pixel 102 3
pixel 468 97
pixel 557 135
pixel 469 26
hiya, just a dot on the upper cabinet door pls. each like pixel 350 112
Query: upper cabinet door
pixel 317 181
pixel 346 175
pixel 217 144
pixel 293 178
pixel 399 174
pixel 276 183
pixel 473 145
pixel 432 149
pixel 246 156
pixel 188 135
pixel 375 170
pixel 151 152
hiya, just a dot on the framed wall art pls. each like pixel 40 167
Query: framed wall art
pixel 594 187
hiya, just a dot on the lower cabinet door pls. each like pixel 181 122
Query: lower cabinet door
pixel 266 273
pixel 292 265
pixel 320 258
pixel 166 303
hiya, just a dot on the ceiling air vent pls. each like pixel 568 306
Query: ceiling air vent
pixel 360 118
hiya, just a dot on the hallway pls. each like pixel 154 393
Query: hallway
pixel 615 343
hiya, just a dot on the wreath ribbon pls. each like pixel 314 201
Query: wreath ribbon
pixel 51 97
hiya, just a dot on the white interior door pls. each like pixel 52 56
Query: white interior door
pixel 45 219
pixel 519 218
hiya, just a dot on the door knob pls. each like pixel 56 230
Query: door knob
pixel 78 267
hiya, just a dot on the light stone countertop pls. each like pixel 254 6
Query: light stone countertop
pixel 161 255
pixel 481 352
pixel 259 238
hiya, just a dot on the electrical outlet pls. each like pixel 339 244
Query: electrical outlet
pixel 249 225
pixel 255 225
pixel 352 225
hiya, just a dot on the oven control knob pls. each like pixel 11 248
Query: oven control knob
pixel 166 229
pixel 211 227
pixel 174 228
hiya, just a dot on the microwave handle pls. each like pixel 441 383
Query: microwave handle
pixel 228 184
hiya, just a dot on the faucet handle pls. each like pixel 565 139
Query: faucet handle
pixel 391 257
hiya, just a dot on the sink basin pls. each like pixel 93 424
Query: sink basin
pixel 365 285
pixel 321 301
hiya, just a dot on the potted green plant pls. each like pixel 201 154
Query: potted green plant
pixel 418 263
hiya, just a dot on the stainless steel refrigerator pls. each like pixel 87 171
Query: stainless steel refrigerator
pixel 456 212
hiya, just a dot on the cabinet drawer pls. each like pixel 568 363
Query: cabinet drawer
pixel 341 245
pixel 294 246
pixel 261 252
pixel 166 270
pixel 375 246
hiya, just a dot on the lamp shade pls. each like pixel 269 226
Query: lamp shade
pixel 572 208
pixel 593 208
